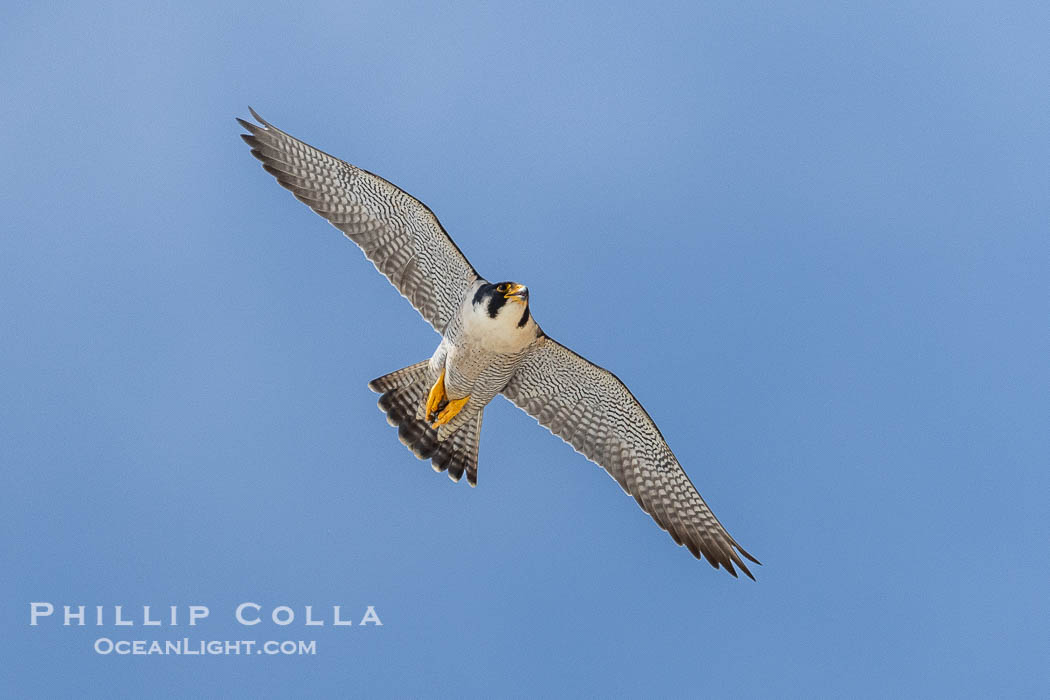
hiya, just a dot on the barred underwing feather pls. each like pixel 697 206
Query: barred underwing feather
pixel 564 391
pixel 397 232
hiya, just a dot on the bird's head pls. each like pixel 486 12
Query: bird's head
pixel 506 303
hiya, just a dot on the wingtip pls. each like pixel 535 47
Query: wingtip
pixel 745 553
pixel 254 128
pixel 257 118
pixel 743 567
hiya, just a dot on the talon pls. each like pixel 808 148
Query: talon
pixel 437 395
pixel 454 406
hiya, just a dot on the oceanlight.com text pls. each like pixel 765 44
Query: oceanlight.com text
pixel 202 647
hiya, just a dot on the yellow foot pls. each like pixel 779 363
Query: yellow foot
pixel 453 407
pixel 437 396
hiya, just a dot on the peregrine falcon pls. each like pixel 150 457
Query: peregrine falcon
pixel 490 344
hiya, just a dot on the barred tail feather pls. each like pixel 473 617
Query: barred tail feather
pixel 402 392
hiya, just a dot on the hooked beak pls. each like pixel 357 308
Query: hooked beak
pixel 518 293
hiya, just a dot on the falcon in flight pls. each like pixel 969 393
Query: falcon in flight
pixel 490 344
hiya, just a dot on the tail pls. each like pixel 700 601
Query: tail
pixel 403 392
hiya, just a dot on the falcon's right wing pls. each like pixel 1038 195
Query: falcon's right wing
pixel 593 411
pixel 397 232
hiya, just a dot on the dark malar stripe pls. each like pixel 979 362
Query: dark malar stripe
pixel 496 303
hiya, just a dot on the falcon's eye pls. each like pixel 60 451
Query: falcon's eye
pixel 501 288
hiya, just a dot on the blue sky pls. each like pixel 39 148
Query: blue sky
pixel 813 241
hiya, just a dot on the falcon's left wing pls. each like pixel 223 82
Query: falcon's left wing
pixel 593 411
pixel 397 232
